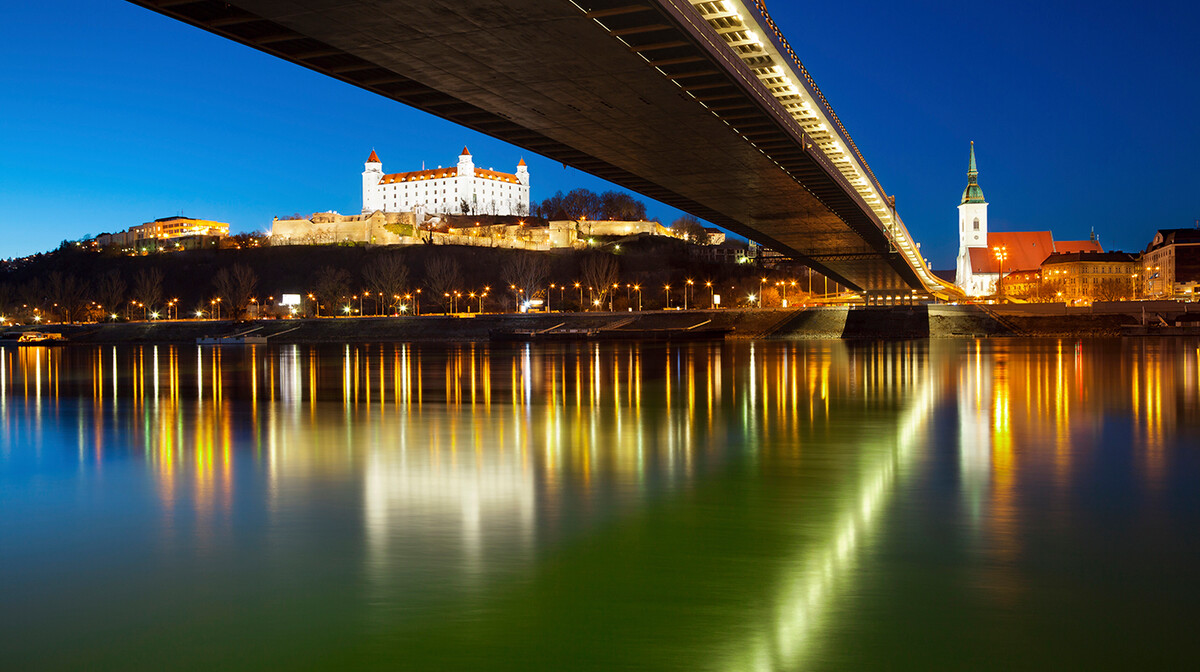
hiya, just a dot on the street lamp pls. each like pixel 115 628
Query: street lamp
pixel 638 289
pixel 1001 253
pixel 686 289
pixel 580 288
pixel 667 289
pixel 708 283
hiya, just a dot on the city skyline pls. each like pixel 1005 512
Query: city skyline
pixel 122 116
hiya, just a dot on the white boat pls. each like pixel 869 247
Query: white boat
pixel 41 338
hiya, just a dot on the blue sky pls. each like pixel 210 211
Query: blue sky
pixel 1084 115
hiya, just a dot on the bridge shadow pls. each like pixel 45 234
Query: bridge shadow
pixel 893 322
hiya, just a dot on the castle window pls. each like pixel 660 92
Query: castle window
pixel 976 223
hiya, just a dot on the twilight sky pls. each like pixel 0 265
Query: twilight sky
pixel 1083 115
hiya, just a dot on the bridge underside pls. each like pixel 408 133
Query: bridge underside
pixel 543 75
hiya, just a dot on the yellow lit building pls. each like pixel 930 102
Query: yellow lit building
pixel 163 230
pixel 1091 276
pixel 179 227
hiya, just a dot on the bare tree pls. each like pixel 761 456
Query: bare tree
pixel 110 291
pixel 551 208
pixel 526 272
pixel 600 272
pixel 67 293
pixel 442 277
pixel 331 286
pixel 148 287
pixel 1113 289
pixel 621 206
pixel 387 276
pixel 236 287
pixel 689 228
pixel 8 299
pixel 582 204
pixel 32 295
pixel 1047 292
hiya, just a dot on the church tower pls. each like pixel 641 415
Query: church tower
pixel 972 223
pixel 372 191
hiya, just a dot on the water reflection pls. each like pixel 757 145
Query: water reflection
pixel 459 475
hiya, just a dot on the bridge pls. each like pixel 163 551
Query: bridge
pixel 700 104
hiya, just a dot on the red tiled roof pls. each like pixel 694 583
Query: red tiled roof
pixel 1064 246
pixel 373 158
pixel 521 162
pixel 495 175
pixel 465 152
pixel 419 175
pixel 439 173
pixel 1026 251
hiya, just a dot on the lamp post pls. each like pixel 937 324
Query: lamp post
pixel 686 290
pixel 611 297
pixel 1001 253
pixel 761 282
pixel 580 288
pixel 708 283
pixel 638 289
pixel 667 289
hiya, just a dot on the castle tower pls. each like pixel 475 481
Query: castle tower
pixel 372 191
pixel 523 172
pixel 465 201
pixel 972 223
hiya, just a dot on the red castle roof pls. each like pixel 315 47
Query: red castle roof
pixel 373 158
pixel 444 173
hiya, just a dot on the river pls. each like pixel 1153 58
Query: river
pixel 771 505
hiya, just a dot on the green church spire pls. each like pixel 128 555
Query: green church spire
pixel 973 194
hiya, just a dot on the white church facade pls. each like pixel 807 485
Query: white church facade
pixel 461 190
pixel 972 235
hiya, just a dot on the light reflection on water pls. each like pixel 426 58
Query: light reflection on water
pixel 717 506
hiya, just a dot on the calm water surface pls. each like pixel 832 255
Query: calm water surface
pixel 741 506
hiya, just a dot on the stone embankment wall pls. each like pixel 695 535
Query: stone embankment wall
pixel 873 323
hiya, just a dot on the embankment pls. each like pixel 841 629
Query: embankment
pixel 857 322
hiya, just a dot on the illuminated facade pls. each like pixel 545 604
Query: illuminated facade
pixel 461 190
pixel 1170 266
pixel 1090 276
pixel 164 229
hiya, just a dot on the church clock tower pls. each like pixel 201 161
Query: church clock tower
pixel 972 224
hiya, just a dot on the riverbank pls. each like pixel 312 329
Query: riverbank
pixel 857 322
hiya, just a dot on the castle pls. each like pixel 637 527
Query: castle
pixel 462 190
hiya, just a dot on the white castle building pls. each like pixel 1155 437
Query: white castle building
pixel 461 190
